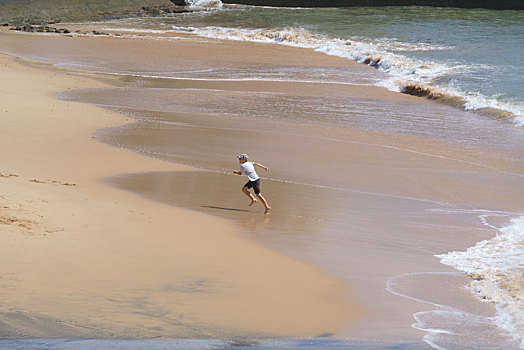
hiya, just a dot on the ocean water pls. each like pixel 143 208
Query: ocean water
pixel 473 59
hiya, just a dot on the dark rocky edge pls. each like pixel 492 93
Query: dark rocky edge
pixel 20 13
pixel 16 13
pixel 145 11
pixel 487 4
pixel 47 29
pixel 32 26
pixel 39 29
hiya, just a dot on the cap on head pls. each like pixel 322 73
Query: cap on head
pixel 243 156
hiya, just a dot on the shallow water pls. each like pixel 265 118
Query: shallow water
pixel 475 54
pixel 336 111
pixel 354 237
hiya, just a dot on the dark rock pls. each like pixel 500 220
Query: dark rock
pixel 16 23
pixel 145 11
pixel 152 11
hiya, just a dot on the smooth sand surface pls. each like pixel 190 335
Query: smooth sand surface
pixel 82 259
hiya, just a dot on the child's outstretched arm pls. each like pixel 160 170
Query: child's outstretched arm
pixel 262 166
pixel 237 172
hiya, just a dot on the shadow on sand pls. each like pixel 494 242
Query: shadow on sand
pixel 222 208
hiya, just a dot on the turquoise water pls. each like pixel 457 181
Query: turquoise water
pixel 475 56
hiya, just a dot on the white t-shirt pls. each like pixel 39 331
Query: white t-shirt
pixel 249 169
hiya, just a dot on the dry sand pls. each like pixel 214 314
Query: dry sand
pixel 82 259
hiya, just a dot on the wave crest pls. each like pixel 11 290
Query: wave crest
pixel 204 4
pixel 456 100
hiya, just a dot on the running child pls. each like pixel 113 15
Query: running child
pixel 248 168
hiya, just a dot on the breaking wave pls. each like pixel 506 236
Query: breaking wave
pixel 204 4
pixel 497 269
pixel 407 75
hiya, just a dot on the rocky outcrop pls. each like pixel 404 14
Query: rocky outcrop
pixel 47 29
pixel 146 11
pixel 40 29
pixel 16 12
pixel 39 12
pixel 488 4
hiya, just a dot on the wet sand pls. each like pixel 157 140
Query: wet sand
pixel 81 259
pixel 368 207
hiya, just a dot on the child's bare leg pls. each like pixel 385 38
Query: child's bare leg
pixel 247 193
pixel 263 200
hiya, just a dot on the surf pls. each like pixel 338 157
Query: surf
pixel 407 75
pixel 496 268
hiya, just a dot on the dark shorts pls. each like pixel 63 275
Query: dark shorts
pixel 255 185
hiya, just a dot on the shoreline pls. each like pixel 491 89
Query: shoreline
pixel 82 261
pixel 441 94
pixel 443 268
pixel 489 108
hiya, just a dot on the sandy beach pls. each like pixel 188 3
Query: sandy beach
pixel 103 240
pixel 81 259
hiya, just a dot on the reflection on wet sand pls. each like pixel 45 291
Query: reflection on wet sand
pixel 349 236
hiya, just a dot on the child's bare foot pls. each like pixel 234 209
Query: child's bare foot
pixel 268 209
pixel 253 201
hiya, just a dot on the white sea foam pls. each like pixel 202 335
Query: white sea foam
pixel 445 326
pixel 374 54
pixel 497 269
pixel 519 121
pixel 204 4
pixel 395 45
pixel 383 54
pixel 136 30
